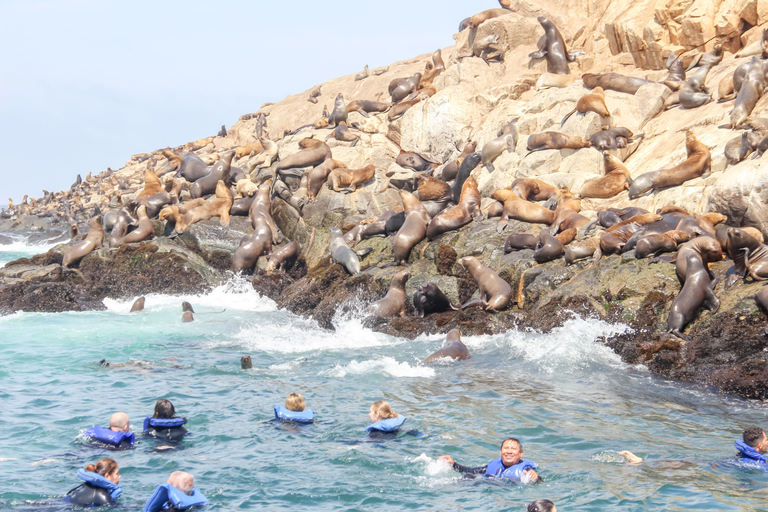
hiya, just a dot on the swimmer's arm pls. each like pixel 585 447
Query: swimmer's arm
pixel 463 469
pixel 631 457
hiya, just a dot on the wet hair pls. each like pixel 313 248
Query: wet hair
pixel 752 436
pixel 519 444
pixel 541 506
pixel 164 409
pixel 183 481
pixel 383 410
pixel 103 467
pixel 295 402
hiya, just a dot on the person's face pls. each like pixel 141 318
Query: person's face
pixel 511 453
pixel 762 446
pixel 375 418
pixel 113 477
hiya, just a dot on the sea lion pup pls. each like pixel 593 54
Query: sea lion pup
pixel 452 347
pixel 520 242
pixel 484 48
pixel 349 180
pixel 429 298
pixel 138 305
pixel 748 254
pixel 694 93
pixel 393 302
pixel 554 140
pixel 492 149
pixel 451 169
pixel 696 292
pixel 460 215
pixel 319 174
pixel 413 230
pixel 93 240
pixel 342 133
pixel 365 107
pixel 554 49
pixel 698 164
pixel 589 248
pixel 314 94
pixel 120 228
pixel 617 178
pixel 314 153
pixel 339 113
pixel 152 185
pixel 591 102
pixel 281 190
pixel 248 150
pixel 342 254
pixel 519 209
pixel 435 195
pixel 145 230
pixel 711 58
pixel 209 183
pixel 654 244
pixel 284 257
pixel 465 169
pixel 495 293
pixel 219 207
pixel 549 248
pixel 403 87
pixel 614 82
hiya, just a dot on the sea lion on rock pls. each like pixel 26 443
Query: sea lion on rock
pixel 737 149
pixel 706 248
pixel 339 113
pixel 694 93
pixel 617 178
pixel 467 166
pixel 413 230
pixel 748 254
pixel 405 87
pixel 284 257
pixel 342 133
pixel 192 168
pixel 350 180
pixel 532 189
pixel 120 227
pixel 145 229
pixel 520 209
pixel 209 183
pixel 555 140
pixel 655 243
pixel 614 82
pixel 315 152
pixel 453 348
pixel 152 185
pixel 492 149
pixel 520 241
pixel 319 175
pixel 138 305
pixel 549 248
pixel 582 250
pixel 248 150
pixel 429 298
pixel 484 48
pixel 751 90
pixel 451 169
pixel 393 302
pixel 219 207
pixel 342 254
pixel 495 293
pixel 711 58
pixel 365 107
pixel 93 240
pixel 591 102
pixel 435 195
pixel 486 15
pixel 554 49
pixel 414 161
pixel 696 292
pixel 612 138
pixel 468 208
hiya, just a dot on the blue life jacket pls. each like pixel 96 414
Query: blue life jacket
pixel 110 437
pixel 390 425
pixel 163 423
pixel 496 469
pixel 167 496
pixel 305 416
pixel 99 481
pixel 750 455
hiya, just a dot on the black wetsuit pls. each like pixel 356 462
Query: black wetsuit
pixel 88 494
pixel 167 434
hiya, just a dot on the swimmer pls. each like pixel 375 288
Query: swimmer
pixel 116 436
pixel 753 446
pixel 383 418
pixel 542 506
pixel 164 424
pixel 509 465
pixel 100 487
pixel 178 494
pixel 294 410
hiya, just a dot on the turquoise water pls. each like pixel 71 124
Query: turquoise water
pixel 571 401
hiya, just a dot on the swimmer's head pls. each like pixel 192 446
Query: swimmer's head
pixel 119 422
pixel 164 409
pixel 183 481
pixel 106 468
pixel 755 437
pixel 541 506
pixel 295 402
pixel 381 410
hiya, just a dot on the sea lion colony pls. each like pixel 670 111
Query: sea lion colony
pixel 204 179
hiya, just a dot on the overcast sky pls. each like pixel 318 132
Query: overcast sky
pixel 85 84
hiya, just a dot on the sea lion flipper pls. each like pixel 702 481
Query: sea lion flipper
pixel 363 113
pixel 538 55
pixel 571 56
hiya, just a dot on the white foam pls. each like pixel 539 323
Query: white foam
pixel 432 466
pixel 383 365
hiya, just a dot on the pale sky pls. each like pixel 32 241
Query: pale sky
pixel 85 84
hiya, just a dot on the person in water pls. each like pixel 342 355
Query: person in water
pixel 116 436
pixel 753 446
pixel 164 424
pixel 510 465
pixel 100 487
pixel 294 410
pixel 383 418
pixel 295 402
pixel 178 494
pixel 542 506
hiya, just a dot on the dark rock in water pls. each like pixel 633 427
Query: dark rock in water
pixel 5 240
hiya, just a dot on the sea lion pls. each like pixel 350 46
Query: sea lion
pixel 187 317
pixel 187 307
pixel 486 15
pixel 350 180
pixel 614 82
pixel 567 214
pixel 339 113
pixel 342 254
pixel 465 169
pixel 591 102
pixel 209 183
pixel 452 347
pixel 495 293
pixel 414 161
pixel 192 168
pixel 281 190
pixel 429 298
pixel 725 89
pixel 246 363
pixel 108 220
pixel 93 240
pixel 696 165
pixel 138 305
pixel 519 209
pixel 492 149
pixel 737 149
pixel 435 195
pixel 552 80
pixel 152 185
pixel 145 229
pixel 314 94
pixel 582 250
pixel 654 244
pixel 219 207
pixel 612 138
pixel 363 74
pixel 554 49
pixel 532 189
pixel 676 75
pixel 120 227
pixel 520 242
pixel 264 159
pixel 174 213
pixel 261 209
pixel 749 256
pixel 694 93
pixel 549 248
pixel 467 209
pixel 319 174
pixel 706 248
pixel 751 90
pixel 198 144
pixel 283 258
pixel 413 230
pixel 405 87
pixel 711 58
pixel 696 292
pixel 554 140
pixel 393 302
pixel 265 232
pixel 451 169
pixel 314 153
pixel 342 133
pixel 365 107
pixel 484 48
pixel 248 150
pixel 617 178
pixel 401 108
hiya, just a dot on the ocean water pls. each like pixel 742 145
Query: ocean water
pixel 570 400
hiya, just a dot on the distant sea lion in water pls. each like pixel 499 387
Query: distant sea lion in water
pixel 93 240
pixel 554 49
pixel 554 140
pixel 696 292
pixel 495 293
pixel 429 298
pixel 614 82
pixel 246 363
pixel 453 348
pixel 187 307
pixel 591 102
pixel 187 317
pixel 393 302
pixel 138 305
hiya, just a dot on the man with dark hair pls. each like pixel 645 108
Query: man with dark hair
pixel 509 465
pixel 753 447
